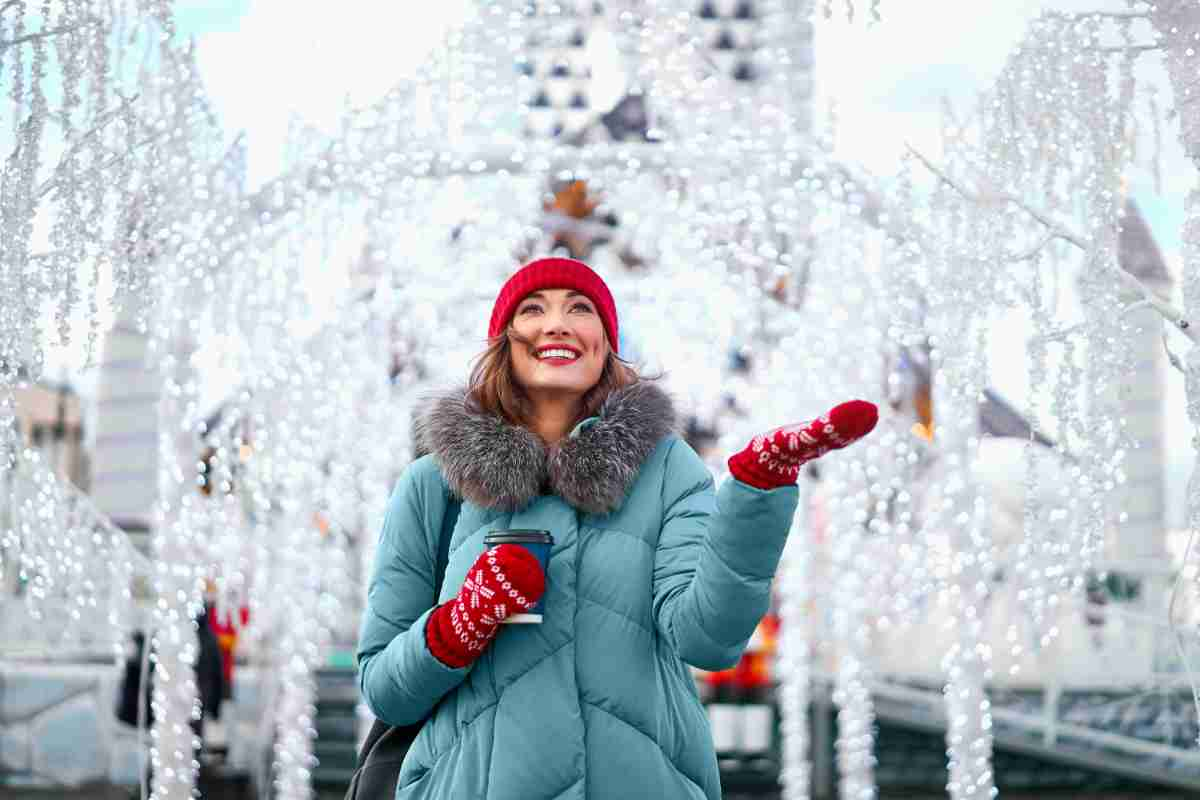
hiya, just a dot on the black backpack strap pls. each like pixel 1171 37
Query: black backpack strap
pixel 378 727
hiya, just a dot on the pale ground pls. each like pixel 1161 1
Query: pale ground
pixel 110 793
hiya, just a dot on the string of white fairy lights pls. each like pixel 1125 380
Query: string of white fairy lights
pixel 75 159
pixel 242 270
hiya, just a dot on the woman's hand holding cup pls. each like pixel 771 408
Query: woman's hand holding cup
pixel 504 580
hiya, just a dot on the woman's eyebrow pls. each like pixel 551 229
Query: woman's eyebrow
pixel 540 296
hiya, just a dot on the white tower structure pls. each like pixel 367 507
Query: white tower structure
pixel 1138 546
pixel 125 456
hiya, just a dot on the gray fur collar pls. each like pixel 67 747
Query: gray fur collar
pixel 494 464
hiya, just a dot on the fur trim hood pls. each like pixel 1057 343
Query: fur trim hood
pixel 494 464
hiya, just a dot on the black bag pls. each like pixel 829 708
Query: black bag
pixel 384 749
pixel 131 681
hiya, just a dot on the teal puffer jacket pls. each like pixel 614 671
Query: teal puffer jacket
pixel 650 571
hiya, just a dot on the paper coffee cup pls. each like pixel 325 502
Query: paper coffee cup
pixel 537 542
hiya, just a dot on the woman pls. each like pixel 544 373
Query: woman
pixel 650 570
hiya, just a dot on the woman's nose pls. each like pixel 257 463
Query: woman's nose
pixel 555 322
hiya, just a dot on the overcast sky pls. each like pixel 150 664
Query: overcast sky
pixel 267 59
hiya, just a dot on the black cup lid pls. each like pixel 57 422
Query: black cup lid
pixel 518 536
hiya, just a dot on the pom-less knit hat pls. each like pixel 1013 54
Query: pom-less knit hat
pixel 555 273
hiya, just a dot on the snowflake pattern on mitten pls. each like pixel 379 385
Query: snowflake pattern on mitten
pixel 503 581
pixel 774 458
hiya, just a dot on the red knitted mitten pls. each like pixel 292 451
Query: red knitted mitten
pixel 773 459
pixel 504 580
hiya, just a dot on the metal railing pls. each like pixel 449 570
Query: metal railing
pixel 1143 723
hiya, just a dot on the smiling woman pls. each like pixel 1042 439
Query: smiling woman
pixel 559 346
pixel 648 571
pixel 552 354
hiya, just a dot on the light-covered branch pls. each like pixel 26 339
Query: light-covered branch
pixel 108 116
pixel 112 162
pixel 941 174
pixel 1174 360
pixel 1168 311
pixel 1025 255
pixel 1140 304
pixel 33 37
pixel 1059 231
pixel 1136 49
pixel 1060 334
pixel 1080 16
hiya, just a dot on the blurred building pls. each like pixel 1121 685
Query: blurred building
pixel 556 68
pixel 579 87
pixel 50 420
pixel 733 36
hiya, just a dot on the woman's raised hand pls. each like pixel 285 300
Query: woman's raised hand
pixel 774 458
pixel 504 580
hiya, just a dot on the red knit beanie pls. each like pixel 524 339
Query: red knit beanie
pixel 555 273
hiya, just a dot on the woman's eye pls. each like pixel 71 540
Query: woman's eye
pixel 529 308
pixel 583 306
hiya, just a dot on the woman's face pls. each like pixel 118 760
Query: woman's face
pixel 566 346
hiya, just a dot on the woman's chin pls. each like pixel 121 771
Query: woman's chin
pixel 557 387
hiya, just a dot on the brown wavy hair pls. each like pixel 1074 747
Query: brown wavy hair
pixel 495 390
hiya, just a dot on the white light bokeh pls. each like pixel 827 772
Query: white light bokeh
pixel 288 58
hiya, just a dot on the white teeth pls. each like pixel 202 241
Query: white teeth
pixel 557 353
